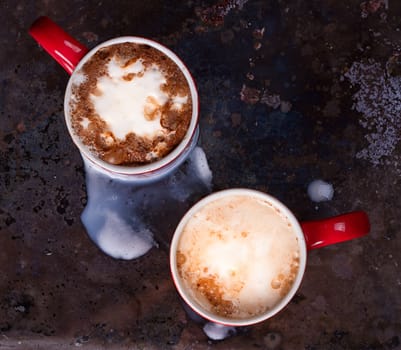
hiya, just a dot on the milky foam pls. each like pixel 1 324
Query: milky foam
pixel 123 103
pixel 238 256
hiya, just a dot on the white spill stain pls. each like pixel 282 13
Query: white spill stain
pixel 121 215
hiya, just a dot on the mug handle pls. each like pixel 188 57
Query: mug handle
pixel 336 229
pixel 61 46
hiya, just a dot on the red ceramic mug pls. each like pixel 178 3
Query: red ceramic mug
pixel 72 55
pixel 238 256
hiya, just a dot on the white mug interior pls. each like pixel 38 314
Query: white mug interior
pixel 195 305
pixel 149 169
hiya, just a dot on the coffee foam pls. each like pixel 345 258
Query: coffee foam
pixel 238 256
pixel 130 104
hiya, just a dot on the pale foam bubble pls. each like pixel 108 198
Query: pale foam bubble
pixel 78 78
pixel 122 103
pixel 236 247
pixel 127 218
pixel 178 102
pixel 85 123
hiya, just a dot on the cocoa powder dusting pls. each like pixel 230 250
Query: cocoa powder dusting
pixel 133 149
pixel 209 288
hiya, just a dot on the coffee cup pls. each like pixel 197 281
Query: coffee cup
pixel 107 84
pixel 238 256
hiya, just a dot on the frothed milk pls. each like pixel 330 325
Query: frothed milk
pixel 238 256
pixel 130 104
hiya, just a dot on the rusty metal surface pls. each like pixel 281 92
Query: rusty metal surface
pixel 290 92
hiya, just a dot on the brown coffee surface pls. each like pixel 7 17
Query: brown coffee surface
pixel 132 148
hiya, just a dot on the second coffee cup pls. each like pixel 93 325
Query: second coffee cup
pixel 238 256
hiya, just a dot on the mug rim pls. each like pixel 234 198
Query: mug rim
pixel 268 313
pixel 149 169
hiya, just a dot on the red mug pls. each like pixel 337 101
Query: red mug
pixel 227 236
pixel 72 55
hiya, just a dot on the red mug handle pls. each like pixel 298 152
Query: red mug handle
pixel 336 229
pixel 61 46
